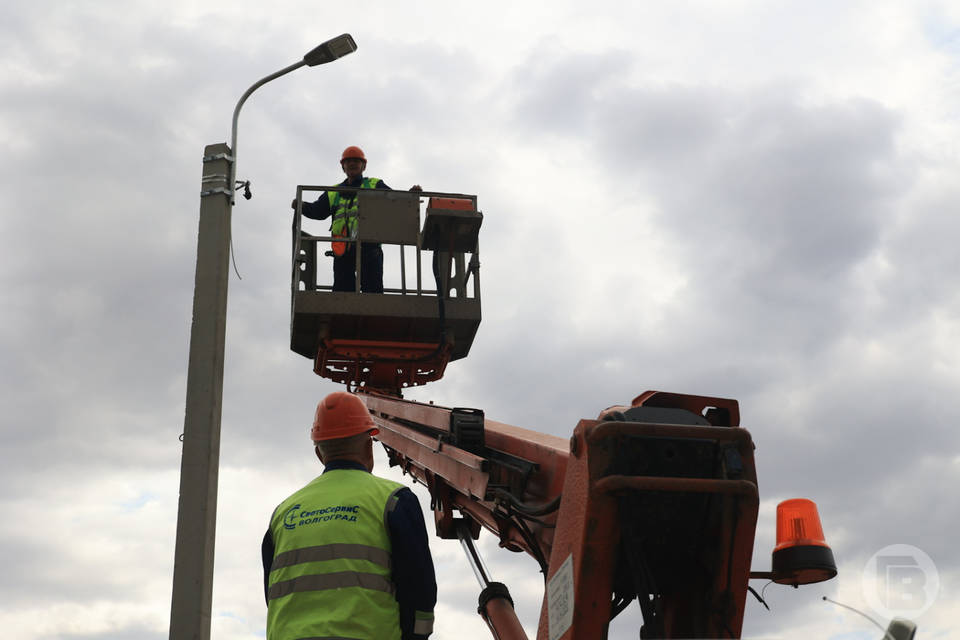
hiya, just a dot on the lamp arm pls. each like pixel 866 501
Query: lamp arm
pixel 236 116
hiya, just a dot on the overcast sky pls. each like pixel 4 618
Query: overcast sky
pixel 746 199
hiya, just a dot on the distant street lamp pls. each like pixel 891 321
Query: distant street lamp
pixel 190 612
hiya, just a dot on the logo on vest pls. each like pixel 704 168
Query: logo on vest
pixel 290 517
pixel 295 517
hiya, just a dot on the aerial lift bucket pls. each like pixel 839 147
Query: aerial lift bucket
pixel 405 336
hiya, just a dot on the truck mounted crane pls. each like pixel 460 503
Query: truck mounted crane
pixel 654 501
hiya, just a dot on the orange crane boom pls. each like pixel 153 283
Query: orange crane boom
pixel 656 501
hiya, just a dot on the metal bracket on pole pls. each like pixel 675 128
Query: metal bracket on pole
pixel 210 192
pixel 216 177
pixel 218 156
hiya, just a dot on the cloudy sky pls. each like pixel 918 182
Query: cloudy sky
pixel 746 199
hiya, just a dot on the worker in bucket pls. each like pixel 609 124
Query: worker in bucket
pixel 347 555
pixel 343 208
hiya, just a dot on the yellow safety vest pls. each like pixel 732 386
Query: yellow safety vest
pixel 344 209
pixel 331 576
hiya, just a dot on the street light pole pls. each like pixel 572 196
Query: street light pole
pixel 196 518
pixel 190 611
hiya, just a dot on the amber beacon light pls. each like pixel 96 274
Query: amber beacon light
pixel 801 555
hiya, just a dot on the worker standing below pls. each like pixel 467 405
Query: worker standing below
pixel 343 208
pixel 347 555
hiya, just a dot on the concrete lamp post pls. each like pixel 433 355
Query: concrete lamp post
pixel 190 612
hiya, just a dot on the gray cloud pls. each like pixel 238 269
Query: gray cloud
pixel 763 241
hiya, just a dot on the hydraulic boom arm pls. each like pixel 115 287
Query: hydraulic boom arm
pixel 655 501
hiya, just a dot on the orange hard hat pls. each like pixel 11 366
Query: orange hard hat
pixel 341 415
pixel 353 152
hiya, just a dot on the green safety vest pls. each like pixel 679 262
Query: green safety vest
pixel 330 576
pixel 344 209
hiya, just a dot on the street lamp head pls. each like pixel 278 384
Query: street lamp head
pixel 331 50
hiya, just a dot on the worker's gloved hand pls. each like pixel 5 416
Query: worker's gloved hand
pixel 416 187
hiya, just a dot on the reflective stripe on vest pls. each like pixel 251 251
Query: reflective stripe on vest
pixel 331 552
pixel 340 580
pixel 343 224
pixel 331 574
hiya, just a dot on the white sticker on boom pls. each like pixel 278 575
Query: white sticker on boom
pixel 560 599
